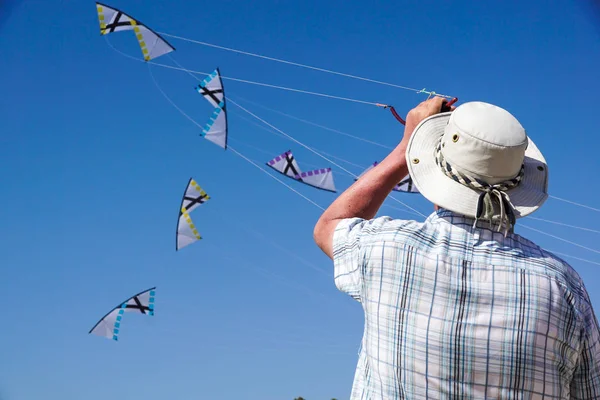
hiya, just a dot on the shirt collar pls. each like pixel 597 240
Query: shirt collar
pixel 453 218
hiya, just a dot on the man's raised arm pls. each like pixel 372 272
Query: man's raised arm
pixel 364 198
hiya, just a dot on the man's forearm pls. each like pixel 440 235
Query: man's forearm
pixel 364 198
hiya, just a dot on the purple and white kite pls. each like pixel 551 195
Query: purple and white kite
pixel 319 178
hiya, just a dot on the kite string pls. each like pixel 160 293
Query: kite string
pixel 304 65
pixel 576 258
pixel 411 212
pixel 562 224
pixel 270 153
pixel 417 212
pixel 302 144
pixel 333 130
pixel 279 130
pixel 171 101
pixel 559 238
pixel 274 177
pixel 242 156
pixel 306 198
pixel 191 119
pixel 316 152
pixel 388 147
pixel 574 203
pixel 190 71
pixel 347 171
pixel 229 147
pixel 251 162
pixel 245 158
pixel 317 125
pixel 351 174
pixel 311 201
pixel 286 135
pixel 265 122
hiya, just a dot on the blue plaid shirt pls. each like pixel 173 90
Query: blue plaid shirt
pixel 453 311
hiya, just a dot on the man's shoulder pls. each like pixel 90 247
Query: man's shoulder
pixel 563 271
pixel 533 249
pixel 573 282
pixel 381 228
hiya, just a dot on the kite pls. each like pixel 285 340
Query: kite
pixel 319 178
pixel 193 197
pixel 406 185
pixel 113 20
pixel 110 324
pixel 212 90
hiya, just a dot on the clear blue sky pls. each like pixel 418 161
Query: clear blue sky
pixel 94 162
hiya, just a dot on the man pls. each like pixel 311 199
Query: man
pixel 459 306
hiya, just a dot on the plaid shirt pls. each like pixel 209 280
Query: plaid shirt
pixel 456 312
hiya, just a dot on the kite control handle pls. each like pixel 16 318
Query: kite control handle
pixel 399 118
pixel 393 110
pixel 447 104
pixel 445 108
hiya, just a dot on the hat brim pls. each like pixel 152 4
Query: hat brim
pixel 445 192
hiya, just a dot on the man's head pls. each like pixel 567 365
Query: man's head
pixel 479 162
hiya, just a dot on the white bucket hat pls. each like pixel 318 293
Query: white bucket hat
pixel 478 161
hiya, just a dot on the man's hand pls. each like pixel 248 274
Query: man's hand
pixel 424 110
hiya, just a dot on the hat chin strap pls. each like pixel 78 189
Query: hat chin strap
pixel 485 205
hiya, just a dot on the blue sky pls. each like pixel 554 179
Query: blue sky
pixel 94 161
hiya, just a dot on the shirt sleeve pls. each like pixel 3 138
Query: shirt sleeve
pixel 347 259
pixel 586 378
pixel 351 240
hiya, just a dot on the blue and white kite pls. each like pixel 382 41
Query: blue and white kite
pixel 109 326
pixel 212 90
